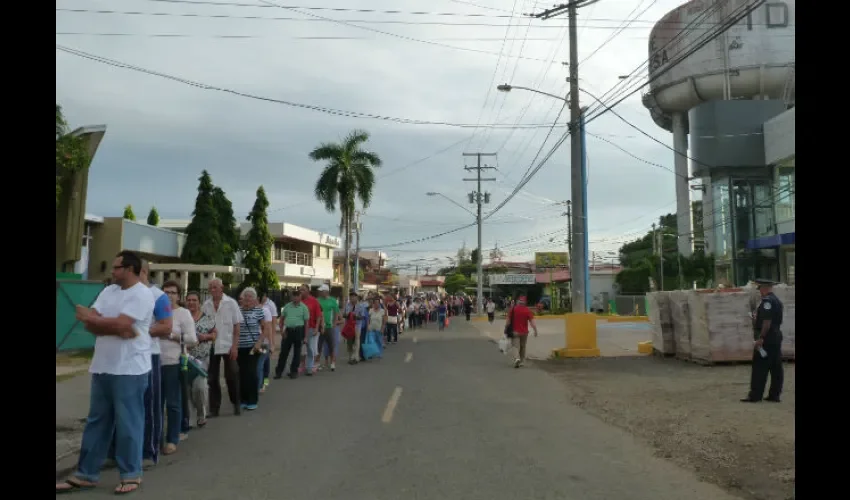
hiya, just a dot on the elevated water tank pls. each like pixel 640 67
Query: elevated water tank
pixel 752 59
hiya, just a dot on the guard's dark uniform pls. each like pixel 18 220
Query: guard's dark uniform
pixel 771 309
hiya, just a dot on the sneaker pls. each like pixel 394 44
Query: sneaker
pixel 250 407
pixel 333 367
pixel 517 363
pixel 184 436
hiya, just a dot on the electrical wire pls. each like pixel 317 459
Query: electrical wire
pixel 697 45
pixel 330 111
pixel 697 20
pixel 731 21
pixel 394 35
pixel 619 30
pixel 493 80
pixel 649 22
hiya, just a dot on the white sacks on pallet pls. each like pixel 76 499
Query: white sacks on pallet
pixel 681 319
pixel 722 328
pixel 721 325
pixel 662 325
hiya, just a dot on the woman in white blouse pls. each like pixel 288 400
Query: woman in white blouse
pixel 182 334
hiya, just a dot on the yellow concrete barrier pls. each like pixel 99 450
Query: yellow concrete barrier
pixel 580 334
pixel 645 347
pixel 627 319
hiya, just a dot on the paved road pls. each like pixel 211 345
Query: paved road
pixel 466 426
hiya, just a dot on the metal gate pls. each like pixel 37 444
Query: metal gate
pixel 70 334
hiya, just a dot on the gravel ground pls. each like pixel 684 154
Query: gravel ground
pixel 692 416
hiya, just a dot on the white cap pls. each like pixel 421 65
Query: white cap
pixel 324 288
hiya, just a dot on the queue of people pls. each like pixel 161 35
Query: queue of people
pixel 154 351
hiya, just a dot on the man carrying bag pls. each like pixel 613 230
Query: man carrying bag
pixel 516 329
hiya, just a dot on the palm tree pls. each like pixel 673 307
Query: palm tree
pixel 347 176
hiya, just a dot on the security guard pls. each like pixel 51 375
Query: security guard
pixel 767 350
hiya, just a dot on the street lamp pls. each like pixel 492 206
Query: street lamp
pixel 433 193
pixel 578 185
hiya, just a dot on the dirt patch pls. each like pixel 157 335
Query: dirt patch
pixel 692 415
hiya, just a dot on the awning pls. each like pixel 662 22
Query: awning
pixel 771 241
pixel 558 276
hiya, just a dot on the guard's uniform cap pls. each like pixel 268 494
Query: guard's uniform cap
pixel 764 282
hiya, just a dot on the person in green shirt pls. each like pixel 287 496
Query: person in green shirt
pixel 294 318
pixel 328 336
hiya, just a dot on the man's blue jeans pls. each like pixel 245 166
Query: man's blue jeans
pixel 117 406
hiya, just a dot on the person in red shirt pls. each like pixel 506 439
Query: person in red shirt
pixel 311 335
pixel 519 317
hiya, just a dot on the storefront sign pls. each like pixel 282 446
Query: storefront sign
pixel 512 279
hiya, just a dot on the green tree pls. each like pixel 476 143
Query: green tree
pixel 71 154
pixel 455 283
pixel 258 247
pixel 348 175
pixel 128 213
pixel 153 217
pixel 228 231
pixel 473 256
pixel 203 243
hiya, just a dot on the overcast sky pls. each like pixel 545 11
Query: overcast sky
pixel 162 133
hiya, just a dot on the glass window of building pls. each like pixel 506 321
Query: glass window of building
pixel 784 193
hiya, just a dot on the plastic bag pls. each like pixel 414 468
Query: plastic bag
pixel 504 345
pixel 372 345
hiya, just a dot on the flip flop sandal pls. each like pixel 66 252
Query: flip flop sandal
pixel 119 490
pixel 74 487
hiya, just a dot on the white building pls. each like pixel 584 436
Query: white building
pixel 300 255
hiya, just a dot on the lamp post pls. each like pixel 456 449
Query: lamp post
pixel 579 269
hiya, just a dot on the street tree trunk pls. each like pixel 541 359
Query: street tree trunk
pixel 346 281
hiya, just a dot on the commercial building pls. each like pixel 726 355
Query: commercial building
pixel 729 105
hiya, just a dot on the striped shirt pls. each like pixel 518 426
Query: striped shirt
pixel 251 328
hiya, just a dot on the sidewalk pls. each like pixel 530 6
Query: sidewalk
pixel 72 407
pixel 613 339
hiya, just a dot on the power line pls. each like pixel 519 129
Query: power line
pixel 619 30
pixel 492 79
pixel 394 35
pixel 649 22
pixel 247 37
pixel 322 109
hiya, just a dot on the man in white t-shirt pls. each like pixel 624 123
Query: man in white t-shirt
pixel 120 318
pixel 264 364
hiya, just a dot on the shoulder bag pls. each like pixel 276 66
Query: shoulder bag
pixel 509 326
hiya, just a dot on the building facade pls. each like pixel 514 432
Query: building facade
pixel 106 236
pixel 744 153
pixel 300 255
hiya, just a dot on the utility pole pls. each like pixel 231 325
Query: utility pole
pixel 479 199
pixel 660 245
pixel 569 228
pixel 357 227
pixel 578 255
